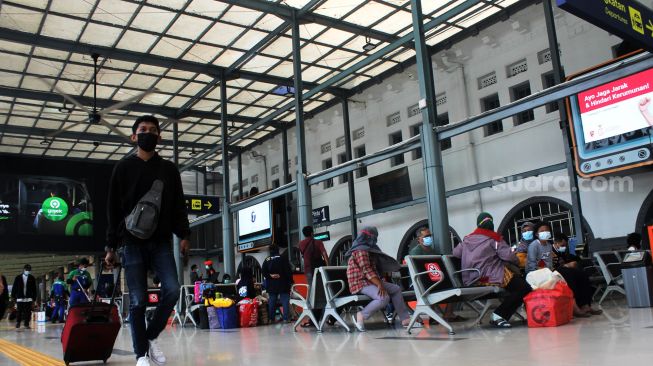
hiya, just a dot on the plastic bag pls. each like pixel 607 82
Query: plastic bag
pixel 550 308
pixel 248 311
pixel 544 279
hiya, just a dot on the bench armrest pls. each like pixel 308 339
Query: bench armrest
pixel 342 288
pixel 470 270
pixel 428 290
pixel 295 293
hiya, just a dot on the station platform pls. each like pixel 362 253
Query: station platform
pixel 620 336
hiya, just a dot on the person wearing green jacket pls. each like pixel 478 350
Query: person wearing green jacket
pixel 80 281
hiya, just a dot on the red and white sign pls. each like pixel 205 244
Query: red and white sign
pixel 619 107
pixel 432 268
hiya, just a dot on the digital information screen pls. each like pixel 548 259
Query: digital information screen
pixel 611 123
pixel 254 222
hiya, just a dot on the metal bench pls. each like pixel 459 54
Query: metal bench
pixel 336 290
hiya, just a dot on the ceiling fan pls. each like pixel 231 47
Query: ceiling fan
pixel 95 116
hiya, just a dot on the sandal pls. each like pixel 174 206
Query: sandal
pixel 501 323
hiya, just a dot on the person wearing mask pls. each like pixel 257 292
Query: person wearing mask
pixel 634 241
pixel 365 268
pixel 278 277
pixel 80 281
pixel 4 295
pixel 485 250
pixel 313 252
pixel 24 293
pixel 539 250
pixel 578 281
pixel 58 294
pixel 195 276
pixel 132 178
pixel 226 279
pixel 211 273
pixel 521 251
pixel 424 243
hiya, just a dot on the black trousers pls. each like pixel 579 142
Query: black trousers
pixel 579 283
pixel 23 313
pixel 3 308
pixel 517 288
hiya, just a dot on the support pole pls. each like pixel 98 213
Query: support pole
pixel 432 155
pixel 176 242
pixel 240 176
pixel 350 176
pixel 227 231
pixel 288 197
pixel 303 189
pixel 558 77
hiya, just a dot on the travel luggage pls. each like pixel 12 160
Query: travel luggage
pixel 214 321
pixel 550 308
pixel 637 274
pixel 90 330
pixel 204 317
pixel 248 313
pixel 228 317
pixel 197 293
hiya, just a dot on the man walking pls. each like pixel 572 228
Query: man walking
pixel 134 177
pixel 24 293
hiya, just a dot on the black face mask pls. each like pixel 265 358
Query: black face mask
pixel 147 141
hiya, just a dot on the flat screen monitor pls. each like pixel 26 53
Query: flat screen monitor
pixel 255 222
pixel 611 123
pixel 390 188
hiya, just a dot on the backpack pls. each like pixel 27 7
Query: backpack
pixel 143 219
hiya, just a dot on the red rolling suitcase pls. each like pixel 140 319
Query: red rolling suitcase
pixel 90 331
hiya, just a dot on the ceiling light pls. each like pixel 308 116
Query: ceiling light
pixel 193 152
pixel 45 142
pixel 368 46
pixel 65 109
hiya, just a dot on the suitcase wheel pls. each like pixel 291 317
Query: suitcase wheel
pixel 105 360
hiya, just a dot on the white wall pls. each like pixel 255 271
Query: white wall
pixel 473 158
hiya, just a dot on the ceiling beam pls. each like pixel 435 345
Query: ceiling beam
pixel 144 58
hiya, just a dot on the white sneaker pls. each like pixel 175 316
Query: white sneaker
pixel 143 361
pixel 155 353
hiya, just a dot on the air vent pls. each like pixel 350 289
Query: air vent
pixel 393 119
pixel 340 141
pixel 275 170
pixel 517 68
pixel 544 56
pixel 440 99
pixel 487 80
pixel 326 147
pixel 234 187
pixel 254 178
pixel 359 133
pixel 413 110
pixel 245 182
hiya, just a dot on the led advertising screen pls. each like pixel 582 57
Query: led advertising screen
pixel 254 222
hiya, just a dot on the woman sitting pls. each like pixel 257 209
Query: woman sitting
pixel 365 267
pixel 486 251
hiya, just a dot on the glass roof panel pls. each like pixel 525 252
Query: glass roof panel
pixel 334 36
pixel 249 39
pixel 59 27
pixel 209 8
pixel 136 41
pixel 170 47
pixel 19 19
pixel 202 53
pixel 13 62
pixel 115 12
pixel 284 70
pixel 174 4
pixel 228 58
pixel 241 16
pixel 259 63
pixel 337 8
pixel 188 27
pixel 153 19
pixel 369 13
pixel 281 47
pixel 269 22
pixel 313 73
pixel 395 22
pixel 222 34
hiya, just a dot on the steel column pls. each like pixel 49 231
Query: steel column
pixel 176 242
pixel 287 197
pixel 432 155
pixel 303 189
pixel 350 176
pixel 227 221
pixel 558 77
pixel 240 174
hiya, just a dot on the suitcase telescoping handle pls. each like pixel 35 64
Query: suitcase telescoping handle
pixel 115 283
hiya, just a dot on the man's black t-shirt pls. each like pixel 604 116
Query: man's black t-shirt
pixel 133 177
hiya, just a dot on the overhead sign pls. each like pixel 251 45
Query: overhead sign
pixel 322 236
pixel 202 205
pixel 245 246
pixel 321 214
pixel 54 209
pixel 628 19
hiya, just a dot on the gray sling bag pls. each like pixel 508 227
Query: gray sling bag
pixel 143 219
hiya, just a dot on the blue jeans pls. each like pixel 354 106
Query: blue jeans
pixel 285 302
pixel 77 297
pixel 136 260
pixel 58 312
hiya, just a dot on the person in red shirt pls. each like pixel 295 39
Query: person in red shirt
pixel 315 255
pixel 365 269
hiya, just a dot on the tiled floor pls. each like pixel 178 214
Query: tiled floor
pixel 620 337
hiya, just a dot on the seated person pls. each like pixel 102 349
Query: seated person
pixel 567 264
pixel 539 250
pixel 485 250
pixel 634 241
pixel 365 267
pixel 245 283
pixel 526 239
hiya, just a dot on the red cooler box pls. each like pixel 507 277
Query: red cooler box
pixel 550 308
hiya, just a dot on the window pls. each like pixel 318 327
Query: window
pixel 275 169
pixel 487 104
pixel 395 138
pixel 413 110
pixel 326 147
pixel 342 158
pixel 517 68
pixel 393 119
pixel 358 133
pixel 359 152
pixel 443 120
pixel 414 131
pixel 516 93
pixel 487 80
pixel 548 81
pixel 276 183
pixel 340 141
pixel 326 164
